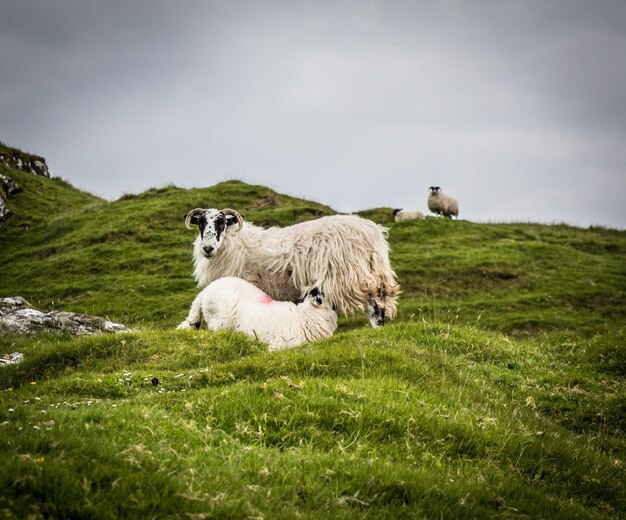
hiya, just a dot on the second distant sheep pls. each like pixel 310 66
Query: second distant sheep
pixel 399 215
pixel 442 204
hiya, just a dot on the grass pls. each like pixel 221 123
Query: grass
pixel 417 419
pixel 498 392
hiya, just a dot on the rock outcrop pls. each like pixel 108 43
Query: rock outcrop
pixel 18 317
pixel 17 160
pixel 5 212
pixel 31 164
pixel 8 187
pixel 11 359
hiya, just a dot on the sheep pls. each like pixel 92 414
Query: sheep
pixel 234 304
pixel 442 204
pixel 345 254
pixel 399 215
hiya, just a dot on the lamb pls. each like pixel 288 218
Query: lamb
pixel 399 215
pixel 345 254
pixel 234 304
pixel 442 204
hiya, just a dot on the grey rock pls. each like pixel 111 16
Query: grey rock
pixel 11 359
pixel 8 187
pixel 5 212
pixel 34 165
pixel 18 317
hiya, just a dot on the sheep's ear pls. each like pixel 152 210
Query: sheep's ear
pixel 193 220
pixel 303 296
pixel 230 220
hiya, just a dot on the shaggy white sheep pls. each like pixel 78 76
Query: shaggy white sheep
pixel 442 204
pixel 234 304
pixel 345 254
pixel 399 215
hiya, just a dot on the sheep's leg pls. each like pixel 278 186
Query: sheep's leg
pixel 375 313
pixel 194 318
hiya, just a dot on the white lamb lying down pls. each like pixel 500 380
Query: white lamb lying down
pixel 235 304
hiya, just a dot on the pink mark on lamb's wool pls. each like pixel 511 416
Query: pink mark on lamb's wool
pixel 267 299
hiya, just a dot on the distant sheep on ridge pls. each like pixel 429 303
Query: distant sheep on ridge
pixel 400 215
pixel 442 204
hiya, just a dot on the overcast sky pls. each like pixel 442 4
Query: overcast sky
pixel 517 108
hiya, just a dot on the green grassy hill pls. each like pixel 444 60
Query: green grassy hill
pixel 131 259
pixel 498 392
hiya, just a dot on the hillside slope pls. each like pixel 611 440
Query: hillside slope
pixel 438 415
pixel 131 259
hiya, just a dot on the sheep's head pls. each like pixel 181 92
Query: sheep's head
pixel 434 189
pixel 396 211
pixel 212 224
pixel 315 296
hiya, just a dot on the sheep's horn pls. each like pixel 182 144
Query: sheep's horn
pixel 228 211
pixel 191 214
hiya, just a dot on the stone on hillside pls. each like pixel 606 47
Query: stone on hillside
pixel 5 212
pixel 18 317
pixel 7 187
pixel 34 165
pixel 11 359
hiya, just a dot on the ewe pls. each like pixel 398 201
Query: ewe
pixel 399 215
pixel 234 304
pixel 442 204
pixel 345 254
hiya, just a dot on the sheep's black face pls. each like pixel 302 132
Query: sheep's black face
pixel 212 224
pixel 315 295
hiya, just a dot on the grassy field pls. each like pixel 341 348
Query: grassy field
pixel 499 392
